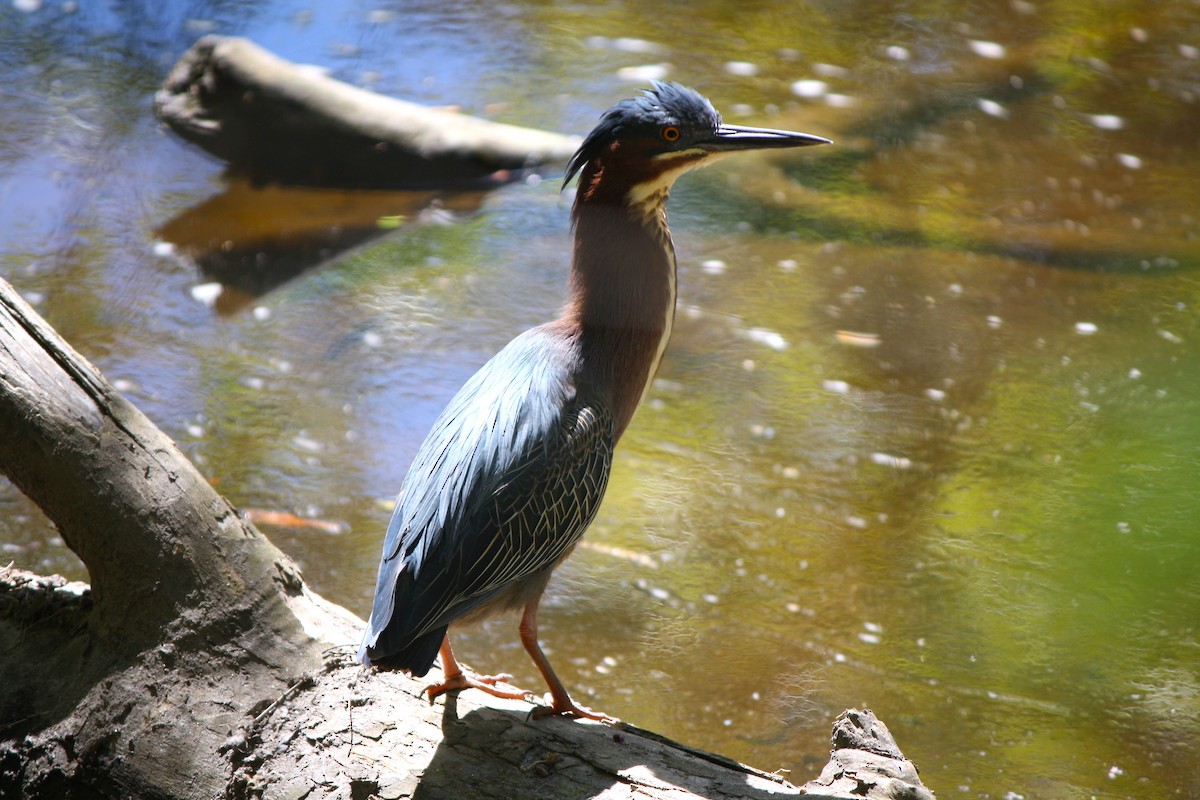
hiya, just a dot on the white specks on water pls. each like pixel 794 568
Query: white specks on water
pixel 1086 328
pixel 1129 161
pixel 993 321
pixel 810 87
pixel 261 313
pixel 307 444
pixel 1106 122
pixel 1170 337
pixel 381 16
pixel 771 339
pixel 831 70
pixel 836 387
pixel 992 108
pixel 207 293
pixel 841 100
pixel 888 460
pixel 199 26
pixel 987 49
pixel 743 69
pixel 761 431
pixel 644 72
pixel 936 395
pixel 897 53
pixel 625 44
pixel 713 266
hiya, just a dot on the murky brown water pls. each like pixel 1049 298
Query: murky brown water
pixel 928 432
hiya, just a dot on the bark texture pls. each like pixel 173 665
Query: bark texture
pixel 278 121
pixel 199 665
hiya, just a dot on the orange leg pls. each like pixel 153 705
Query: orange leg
pixel 453 677
pixel 561 702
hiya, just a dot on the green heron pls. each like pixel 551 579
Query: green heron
pixel 516 465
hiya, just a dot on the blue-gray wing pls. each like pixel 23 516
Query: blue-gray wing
pixel 503 487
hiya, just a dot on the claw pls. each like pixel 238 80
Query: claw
pixel 485 683
pixel 571 709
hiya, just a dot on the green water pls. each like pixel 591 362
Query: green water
pixel 927 436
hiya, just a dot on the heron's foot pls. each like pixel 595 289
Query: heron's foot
pixel 568 708
pixel 486 683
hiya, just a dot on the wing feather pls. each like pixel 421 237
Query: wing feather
pixel 503 487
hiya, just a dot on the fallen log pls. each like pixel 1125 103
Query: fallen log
pixel 198 664
pixel 275 121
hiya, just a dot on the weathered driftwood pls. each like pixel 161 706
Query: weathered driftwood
pixel 199 665
pixel 277 121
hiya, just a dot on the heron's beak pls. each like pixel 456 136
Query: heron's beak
pixel 730 138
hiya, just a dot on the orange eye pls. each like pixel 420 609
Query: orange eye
pixel 671 133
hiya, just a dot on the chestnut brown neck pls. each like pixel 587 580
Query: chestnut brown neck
pixel 621 300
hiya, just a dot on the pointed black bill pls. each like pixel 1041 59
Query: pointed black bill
pixel 729 138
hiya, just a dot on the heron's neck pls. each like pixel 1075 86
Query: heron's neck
pixel 622 296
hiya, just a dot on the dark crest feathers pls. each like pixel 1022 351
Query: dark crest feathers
pixel 665 103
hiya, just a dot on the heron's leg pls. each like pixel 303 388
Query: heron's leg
pixel 454 677
pixel 560 700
